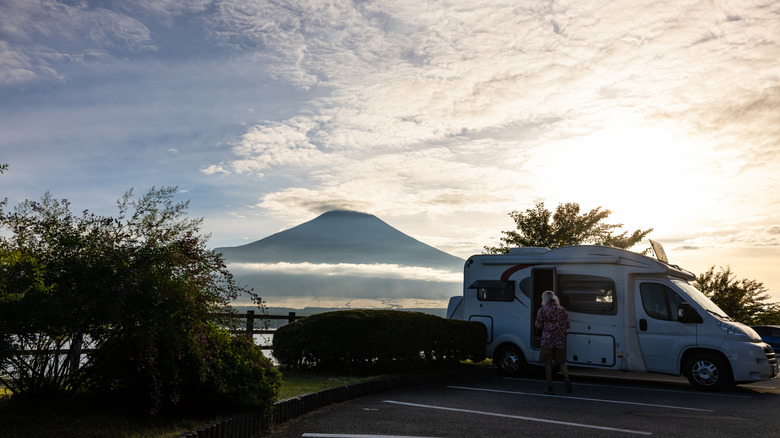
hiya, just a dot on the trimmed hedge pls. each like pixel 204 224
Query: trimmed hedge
pixel 358 341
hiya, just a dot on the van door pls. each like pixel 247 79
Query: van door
pixel 495 299
pixel 542 279
pixel 662 337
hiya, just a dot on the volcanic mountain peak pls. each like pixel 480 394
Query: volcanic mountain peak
pixel 342 236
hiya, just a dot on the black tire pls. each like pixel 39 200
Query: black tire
pixel 510 360
pixel 708 372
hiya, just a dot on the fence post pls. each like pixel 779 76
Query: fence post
pixel 291 317
pixel 74 355
pixel 250 324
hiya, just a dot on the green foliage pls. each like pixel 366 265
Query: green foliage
pixel 541 228
pixel 744 300
pixel 33 278
pixel 3 168
pixel 197 370
pixel 377 340
pixel 140 289
pixel 239 375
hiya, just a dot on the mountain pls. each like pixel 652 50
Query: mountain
pixel 343 237
pixel 345 259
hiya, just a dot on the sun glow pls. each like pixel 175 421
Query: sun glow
pixel 647 176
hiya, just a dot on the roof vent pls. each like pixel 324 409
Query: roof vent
pixel 527 250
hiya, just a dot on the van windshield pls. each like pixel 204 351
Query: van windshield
pixel 701 299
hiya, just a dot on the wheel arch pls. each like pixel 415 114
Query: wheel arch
pixel 500 351
pixel 691 352
pixel 694 353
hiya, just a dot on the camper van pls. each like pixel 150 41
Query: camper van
pixel 627 312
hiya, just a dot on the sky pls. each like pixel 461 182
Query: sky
pixel 439 117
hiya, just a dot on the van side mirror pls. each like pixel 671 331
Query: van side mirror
pixel 687 314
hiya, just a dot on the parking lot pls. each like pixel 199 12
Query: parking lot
pixel 603 404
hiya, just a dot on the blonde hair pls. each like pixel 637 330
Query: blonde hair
pixel 548 296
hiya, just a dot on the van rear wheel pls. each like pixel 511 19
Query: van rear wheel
pixel 709 372
pixel 510 360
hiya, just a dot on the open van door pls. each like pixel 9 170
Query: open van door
pixel 542 279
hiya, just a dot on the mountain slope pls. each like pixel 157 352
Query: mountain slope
pixel 343 237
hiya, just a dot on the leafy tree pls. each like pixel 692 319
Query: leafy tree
pixel 23 295
pixel 141 289
pixel 3 168
pixel 540 227
pixel 744 300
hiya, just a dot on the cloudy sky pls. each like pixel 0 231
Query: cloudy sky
pixel 439 117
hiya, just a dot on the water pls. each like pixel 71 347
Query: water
pixel 265 341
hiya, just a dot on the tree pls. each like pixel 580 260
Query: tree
pixel 540 227
pixel 3 168
pixel 744 300
pixel 141 289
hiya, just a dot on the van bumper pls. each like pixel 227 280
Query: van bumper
pixel 754 362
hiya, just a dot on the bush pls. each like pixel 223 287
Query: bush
pixel 237 375
pixel 377 340
pixel 202 370
pixel 140 290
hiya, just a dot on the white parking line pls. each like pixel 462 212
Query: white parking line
pixel 519 417
pixel 352 435
pixel 600 400
pixel 639 388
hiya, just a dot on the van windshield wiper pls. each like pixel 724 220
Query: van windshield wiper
pixel 726 317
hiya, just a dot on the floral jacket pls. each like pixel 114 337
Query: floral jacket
pixel 554 321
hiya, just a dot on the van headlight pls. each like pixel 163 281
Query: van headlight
pixel 739 331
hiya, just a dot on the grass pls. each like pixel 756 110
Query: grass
pixel 82 417
pixel 295 383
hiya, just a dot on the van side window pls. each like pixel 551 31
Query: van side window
pixel 525 286
pixel 494 290
pixel 660 301
pixel 587 294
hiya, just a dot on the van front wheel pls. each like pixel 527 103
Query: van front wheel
pixel 708 372
pixel 510 360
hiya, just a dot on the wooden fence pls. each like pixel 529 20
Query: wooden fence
pixel 250 329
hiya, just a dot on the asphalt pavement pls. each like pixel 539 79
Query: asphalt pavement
pixel 603 404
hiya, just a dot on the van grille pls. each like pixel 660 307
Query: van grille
pixel 771 357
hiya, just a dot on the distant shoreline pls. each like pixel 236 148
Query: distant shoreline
pixel 307 311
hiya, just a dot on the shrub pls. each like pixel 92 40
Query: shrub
pixel 205 370
pixel 236 375
pixel 141 290
pixel 377 340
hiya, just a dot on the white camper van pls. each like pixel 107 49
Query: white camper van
pixel 627 312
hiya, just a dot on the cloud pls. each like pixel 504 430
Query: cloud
pixel 348 269
pixel 214 169
pixel 15 66
pixel 465 77
pixel 431 180
pixel 278 145
pixel 441 116
pixel 340 302
pixel 53 32
pixel 754 236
